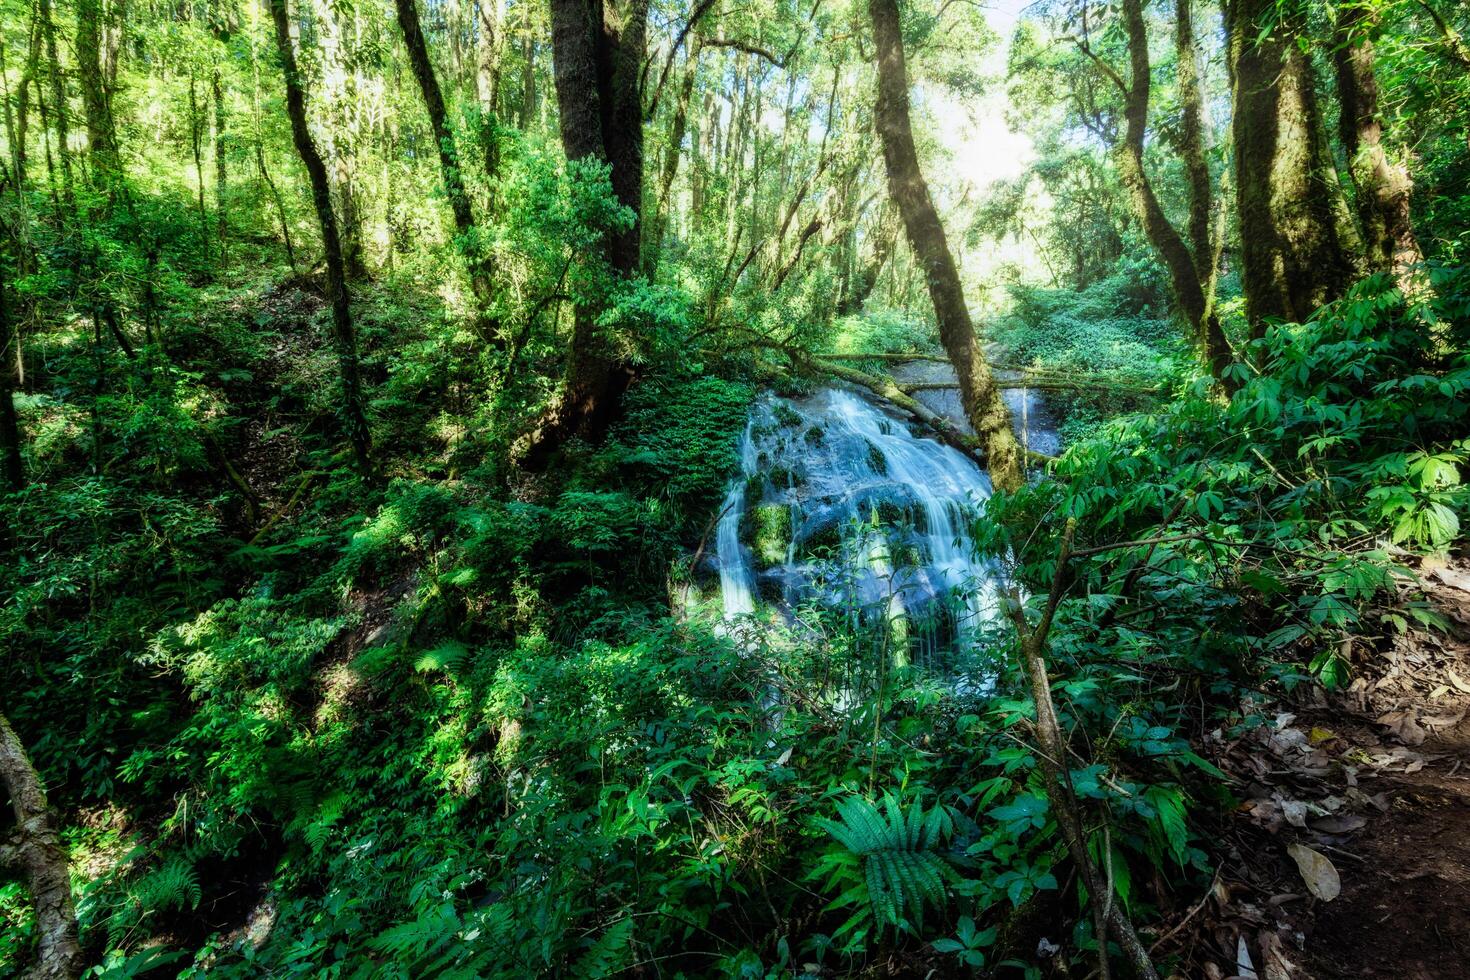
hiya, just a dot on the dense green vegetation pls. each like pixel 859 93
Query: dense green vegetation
pixel 373 377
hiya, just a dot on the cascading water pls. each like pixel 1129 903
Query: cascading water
pixel 839 504
pixel 737 580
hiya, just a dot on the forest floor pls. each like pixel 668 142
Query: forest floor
pixel 1375 779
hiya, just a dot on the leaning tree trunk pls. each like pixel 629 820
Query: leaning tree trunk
pixel 1188 278
pixel 1294 255
pixel 35 850
pixel 984 406
pixel 449 164
pixel 354 416
pixel 597 53
pixel 1383 188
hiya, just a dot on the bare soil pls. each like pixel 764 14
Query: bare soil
pixel 1375 780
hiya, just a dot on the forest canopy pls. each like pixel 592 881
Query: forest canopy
pixel 501 488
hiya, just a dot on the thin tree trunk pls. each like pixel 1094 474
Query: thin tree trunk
pixel 1382 187
pixel 489 29
pixel 984 406
pixel 265 174
pixel 220 168
pixel 883 241
pixel 1188 279
pixel 354 415
pixel 673 151
pixel 449 164
pixel 196 125
pixel 10 458
pixel 59 108
pixel 1054 755
pixel 528 73
pixel 35 849
pixel 1294 255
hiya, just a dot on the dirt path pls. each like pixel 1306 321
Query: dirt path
pixel 1370 789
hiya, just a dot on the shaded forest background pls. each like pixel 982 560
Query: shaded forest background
pixel 372 373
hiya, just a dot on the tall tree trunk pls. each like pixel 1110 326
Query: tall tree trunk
pixel 196 139
pixel 59 108
pixel 597 51
pixel 449 168
pixel 1192 138
pixel 981 397
pixel 1382 187
pixel 10 460
pixel 528 73
pixel 220 167
pixel 100 143
pixel 1187 277
pixel 354 415
pixel 35 849
pixel 673 151
pixel 1294 256
pixel 489 44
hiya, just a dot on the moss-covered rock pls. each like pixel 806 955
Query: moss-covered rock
pixel 772 533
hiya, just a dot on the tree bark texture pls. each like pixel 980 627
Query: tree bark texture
pixel 982 399
pixel 35 849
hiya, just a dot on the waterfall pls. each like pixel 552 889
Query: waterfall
pixel 737 578
pixel 839 503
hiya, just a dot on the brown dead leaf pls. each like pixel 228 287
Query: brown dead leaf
pixel 1274 962
pixel 1345 824
pixel 1461 685
pixel 1404 726
pixel 1444 721
pixel 1318 872
pixel 1454 578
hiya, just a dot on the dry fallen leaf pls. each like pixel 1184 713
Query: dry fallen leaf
pixel 1340 825
pixel 1274 962
pixel 1444 721
pixel 1319 874
pixel 1461 685
pixel 1403 724
pixel 1453 578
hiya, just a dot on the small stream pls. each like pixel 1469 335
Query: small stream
pixel 843 505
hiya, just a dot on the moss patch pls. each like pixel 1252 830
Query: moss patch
pixel 772 533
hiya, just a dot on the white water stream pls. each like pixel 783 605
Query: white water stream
pixel 839 503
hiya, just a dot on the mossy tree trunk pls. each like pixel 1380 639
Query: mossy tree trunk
pixel 1382 187
pixel 982 399
pixel 1190 264
pixel 36 851
pixel 1294 226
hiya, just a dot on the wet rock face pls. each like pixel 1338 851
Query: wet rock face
pixel 841 503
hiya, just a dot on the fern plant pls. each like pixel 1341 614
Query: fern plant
pixel 888 863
